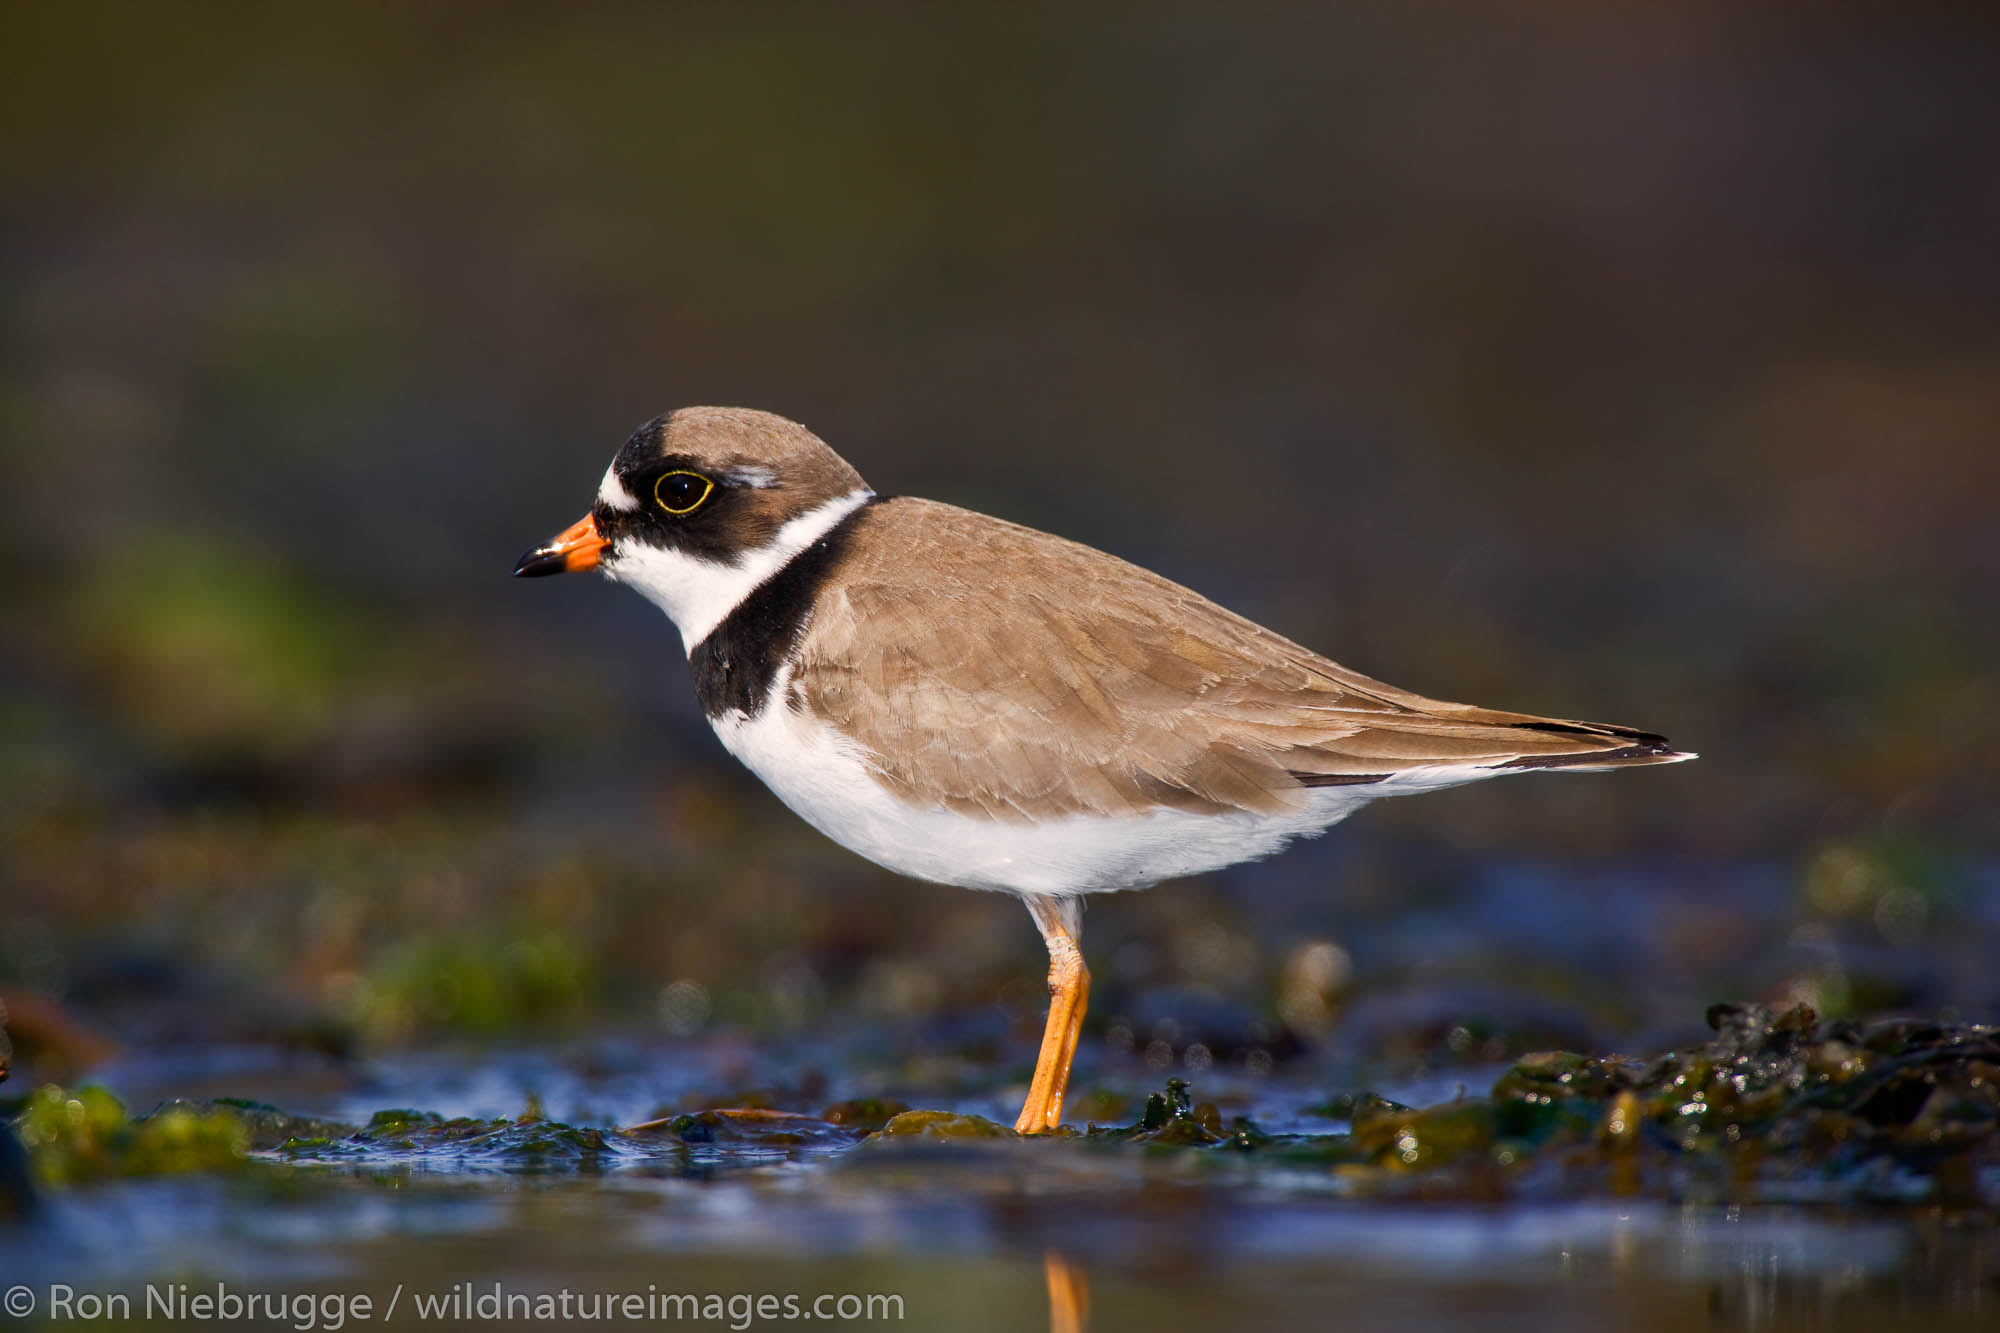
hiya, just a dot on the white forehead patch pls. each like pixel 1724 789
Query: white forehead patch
pixel 751 475
pixel 698 594
pixel 611 493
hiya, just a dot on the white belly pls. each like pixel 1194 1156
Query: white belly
pixel 824 777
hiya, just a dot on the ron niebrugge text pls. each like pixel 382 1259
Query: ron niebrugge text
pixel 310 1312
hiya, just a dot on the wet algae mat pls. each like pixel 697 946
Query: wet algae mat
pixel 1785 1171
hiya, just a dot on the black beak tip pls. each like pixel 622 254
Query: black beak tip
pixel 538 564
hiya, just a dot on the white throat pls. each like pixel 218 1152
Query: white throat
pixel 698 594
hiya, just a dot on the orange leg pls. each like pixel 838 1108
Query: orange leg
pixel 1061 922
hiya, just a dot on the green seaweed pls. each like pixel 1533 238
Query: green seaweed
pixel 942 1125
pixel 86 1135
pixel 270 1128
pixel 752 1126
pixel 1415 1140
pixel 465 1142
pixel 1172 1119
pixel 1774 1098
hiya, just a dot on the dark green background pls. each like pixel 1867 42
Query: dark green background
pixel 1636 362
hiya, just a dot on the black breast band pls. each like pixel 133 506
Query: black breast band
pixel 735 665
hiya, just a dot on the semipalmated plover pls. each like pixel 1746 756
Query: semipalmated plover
pixel 965 700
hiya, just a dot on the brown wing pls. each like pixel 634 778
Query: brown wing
pixel 997 670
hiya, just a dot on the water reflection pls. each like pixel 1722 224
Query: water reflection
pixel 1156 1255
pixel 1069 1294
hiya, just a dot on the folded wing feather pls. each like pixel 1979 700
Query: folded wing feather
pixel 994 670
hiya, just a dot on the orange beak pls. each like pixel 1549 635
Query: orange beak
pixel 579 547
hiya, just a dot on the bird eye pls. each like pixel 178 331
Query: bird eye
pixel 682 492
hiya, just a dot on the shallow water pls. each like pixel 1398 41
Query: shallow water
pixel 523 1178
pixel 969 1232
pixel 1277 1257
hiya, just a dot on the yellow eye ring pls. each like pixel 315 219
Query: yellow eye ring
pixel 674 499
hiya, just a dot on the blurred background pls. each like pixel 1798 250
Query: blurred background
pixel 1633 362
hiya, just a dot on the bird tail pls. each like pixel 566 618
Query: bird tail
pixel 1628 748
